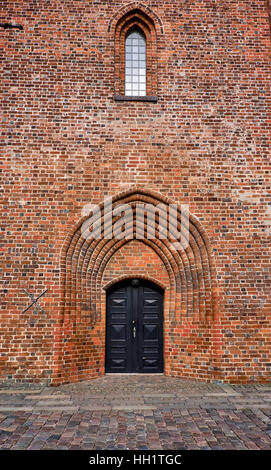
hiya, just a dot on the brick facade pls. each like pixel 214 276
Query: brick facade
pixel 68 140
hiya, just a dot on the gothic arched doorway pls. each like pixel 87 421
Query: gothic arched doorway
pixel 134 327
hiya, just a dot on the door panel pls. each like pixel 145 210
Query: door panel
pixel 151 320
pixel 134 340
pixel 118 338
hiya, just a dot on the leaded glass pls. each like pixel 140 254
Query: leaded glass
pixel 135 64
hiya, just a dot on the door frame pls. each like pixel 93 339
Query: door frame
pixel 128 280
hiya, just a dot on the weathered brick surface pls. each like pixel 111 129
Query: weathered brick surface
pixel 66 142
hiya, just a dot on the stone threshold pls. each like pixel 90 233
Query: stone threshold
pixel 132 373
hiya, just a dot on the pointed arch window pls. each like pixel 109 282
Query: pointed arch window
pixel 135 63
pixel 135 58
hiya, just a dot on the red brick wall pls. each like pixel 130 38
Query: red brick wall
pixel 66 142
pixel 136 259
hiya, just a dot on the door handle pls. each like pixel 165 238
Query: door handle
pixel 134 329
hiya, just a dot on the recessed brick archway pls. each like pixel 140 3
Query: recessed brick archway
pixel 191 301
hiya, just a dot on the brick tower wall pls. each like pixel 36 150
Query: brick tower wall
pixel 67 142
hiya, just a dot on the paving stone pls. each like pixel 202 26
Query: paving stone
pixel 252 406
pixel 135 407
pixel 97 408
pixel 8 408
pixel 229 390
pixel 68 409
pixel 128 412
pixel 49 397
pixel 160 395
pixel 53 403
pixel 19 392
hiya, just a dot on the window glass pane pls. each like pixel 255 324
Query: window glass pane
pixel 135 64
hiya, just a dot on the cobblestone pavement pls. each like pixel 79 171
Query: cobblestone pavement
pixel 136 412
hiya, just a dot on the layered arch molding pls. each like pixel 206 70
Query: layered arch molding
pixel 129 10
pixel 91 264
pixel 190 268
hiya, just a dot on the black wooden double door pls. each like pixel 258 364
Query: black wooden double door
pixel 134 333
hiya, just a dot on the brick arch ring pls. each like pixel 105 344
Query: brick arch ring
pixel 191 269
pixel 137 276
pixel 131 7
